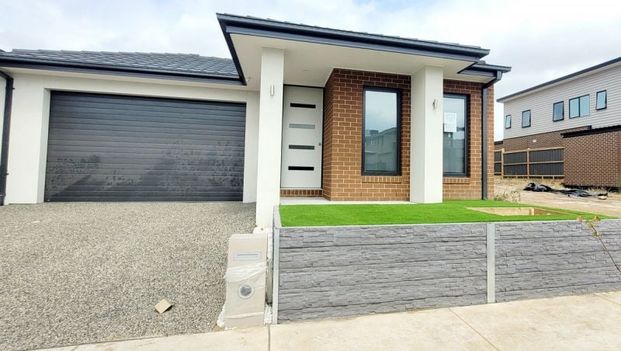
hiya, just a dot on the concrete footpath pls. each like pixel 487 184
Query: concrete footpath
pixel 587 322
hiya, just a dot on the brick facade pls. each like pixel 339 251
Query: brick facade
pixel 537 141
pixel 342 160
pixel 301 192
pixel 470 187
pixel 593 159
pixel 342 140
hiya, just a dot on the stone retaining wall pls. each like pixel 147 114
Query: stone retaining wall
pixel 343 271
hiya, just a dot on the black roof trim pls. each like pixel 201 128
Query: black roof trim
pixel 481 68
pixel 233 24
pixel 571 75
pixel 602 130
pixel 118 70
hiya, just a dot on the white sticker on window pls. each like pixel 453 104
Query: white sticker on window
pixel 450 122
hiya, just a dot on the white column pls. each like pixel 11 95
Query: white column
pixel 270 135
pixel 426 131
pixel 28 142
pixel 250 148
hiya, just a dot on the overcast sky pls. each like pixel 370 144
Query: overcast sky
pixel 541 40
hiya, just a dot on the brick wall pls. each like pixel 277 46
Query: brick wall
pixel 541 140
pixel 342 159
pixel 593 159
pixel 470 187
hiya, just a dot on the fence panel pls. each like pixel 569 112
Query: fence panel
pixel 548 162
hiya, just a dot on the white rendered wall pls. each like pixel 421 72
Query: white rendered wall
pixel 427 138
pixel 540 104
pixel 30 117
pixel 270 135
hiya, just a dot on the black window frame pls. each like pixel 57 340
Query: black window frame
pixel 530 119
pixel 466 172
pixel 508 118
pixel 605 100
pixel 580 107
pixel 562 111
pixel 397 91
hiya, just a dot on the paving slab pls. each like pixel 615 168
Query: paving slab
pixel 586 322
pixel 422 330
pixel 614 296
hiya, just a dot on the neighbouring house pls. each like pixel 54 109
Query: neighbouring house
pixel 298 111
pixel 568 127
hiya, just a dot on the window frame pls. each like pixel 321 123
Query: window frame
pixel 508 118
pixel 605 100
pixel 466 98
pixel 562 111
pixel 580 106
pixel 530 118
pixel 397 91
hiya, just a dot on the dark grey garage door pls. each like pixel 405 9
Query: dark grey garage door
pixel 125 148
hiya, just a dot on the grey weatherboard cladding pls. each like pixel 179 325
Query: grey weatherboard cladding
pixel 124 148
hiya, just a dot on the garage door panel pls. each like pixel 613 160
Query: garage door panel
pixel 150 136
pixel 132 120
pixel 143 149
pixel 140 103
pixel 103 142
pixel 120 164
pixel 147 128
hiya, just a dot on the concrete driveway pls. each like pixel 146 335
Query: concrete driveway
pixel 75 273
pixel 580 323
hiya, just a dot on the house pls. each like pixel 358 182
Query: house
pixel 299 111
pixel 579 115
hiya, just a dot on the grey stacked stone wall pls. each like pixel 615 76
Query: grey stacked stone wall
pixel 543 259
pixel 343 271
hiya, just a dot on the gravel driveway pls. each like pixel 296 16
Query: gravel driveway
pixel 73 273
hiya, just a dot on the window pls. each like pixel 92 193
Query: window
pixel 526 119
pixel 508 122
pixel 558 111
pixel 580 106
pixel 455 132
pixel 600 100
pixel 381 132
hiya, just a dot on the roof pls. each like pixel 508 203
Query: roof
pixel 558 80
pixel 190 65
pixel 234 24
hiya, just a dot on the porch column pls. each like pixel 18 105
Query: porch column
pixel 426 160
pixel 270 135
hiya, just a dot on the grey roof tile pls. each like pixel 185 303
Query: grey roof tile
pixel 171 63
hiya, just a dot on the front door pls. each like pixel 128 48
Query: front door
pixel 301 138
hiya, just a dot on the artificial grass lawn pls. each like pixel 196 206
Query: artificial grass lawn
pixel 447 212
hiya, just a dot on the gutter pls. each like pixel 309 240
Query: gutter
pixel 484 132
pixel 6 127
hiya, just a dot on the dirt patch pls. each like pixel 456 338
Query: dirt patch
pixel 512 189
pixel 516 211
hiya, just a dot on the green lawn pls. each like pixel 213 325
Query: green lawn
pixel 447 212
